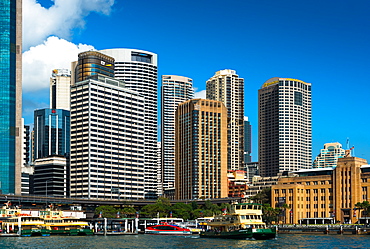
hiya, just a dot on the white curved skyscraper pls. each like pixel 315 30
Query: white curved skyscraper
pixel 138 69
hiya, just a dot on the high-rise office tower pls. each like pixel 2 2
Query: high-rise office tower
pixel 52 133
pixel 92 63
pixel 50 176
pixel 11 96
pixel 227 87
pixel 138 69
pixel 201 149
pixel 329 156
pixel 285 135
pixel 60 89
pixel 247 140
pixel 107 140
pixel 175 90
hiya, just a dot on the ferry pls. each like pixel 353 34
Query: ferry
pixel 243 222
pixel 167 229
pixel 25 226
pixel 59 225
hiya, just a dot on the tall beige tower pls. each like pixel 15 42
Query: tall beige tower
pixel 201 149
pixel 60 89
pixel 284 125
pixel 18 97
pixel 227 87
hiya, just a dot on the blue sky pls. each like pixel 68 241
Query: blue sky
pixel 322 42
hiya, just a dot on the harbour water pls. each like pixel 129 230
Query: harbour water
pixel 285 241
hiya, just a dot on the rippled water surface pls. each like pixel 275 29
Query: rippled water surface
pixel 160 241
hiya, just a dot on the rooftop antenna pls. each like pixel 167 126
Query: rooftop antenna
pixel 347 143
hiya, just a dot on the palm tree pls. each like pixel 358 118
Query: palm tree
pixel 365 205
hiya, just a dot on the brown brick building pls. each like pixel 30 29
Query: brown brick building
pixel 201 149
pixel 324 195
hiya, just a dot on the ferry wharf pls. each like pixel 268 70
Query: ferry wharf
pixel 324 229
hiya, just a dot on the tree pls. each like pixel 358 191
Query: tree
pixel 365 205
pixel 162 207
pixel 182 210
pixel 263 197
pixel 106 211
pixel 270 214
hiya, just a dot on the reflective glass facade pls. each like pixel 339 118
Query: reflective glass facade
pixel 7 95
pixel 92 63
pixel 52 133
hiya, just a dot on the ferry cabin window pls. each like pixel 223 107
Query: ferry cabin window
pixel 244 207
pixel 238 207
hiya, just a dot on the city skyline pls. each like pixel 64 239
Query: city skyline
pixel 318 42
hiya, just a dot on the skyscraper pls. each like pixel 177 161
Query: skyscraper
pixel 201 149
pixel 285 135
pixel 60 89
pixel 175 90
pixel 52 133
pixel 227 87
pixel 107 140
pixel 11 96
pixel 329 156
pixel 138 69
pixel 247 140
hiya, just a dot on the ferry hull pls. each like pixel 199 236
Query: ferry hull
pixel 264 234
pixel 258 234
pixel 35 232
pixel 238 234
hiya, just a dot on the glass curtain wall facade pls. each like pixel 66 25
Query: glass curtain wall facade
pixel 247 140
pixel 10 95
pixel 52 133
pixel 138 69
pixel 92 63
pixel 175 90
pixel 285 126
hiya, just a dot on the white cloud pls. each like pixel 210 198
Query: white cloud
pixel 200 95
pixel 59 20
pixel 39 61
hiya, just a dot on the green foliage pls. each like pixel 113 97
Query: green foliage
pixel 162 207
pixel 182 210
pixel 271 214
pixel 365 205
pixel 107 211
pixel 263 197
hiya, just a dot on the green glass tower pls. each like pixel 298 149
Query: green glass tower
pixel 10 95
